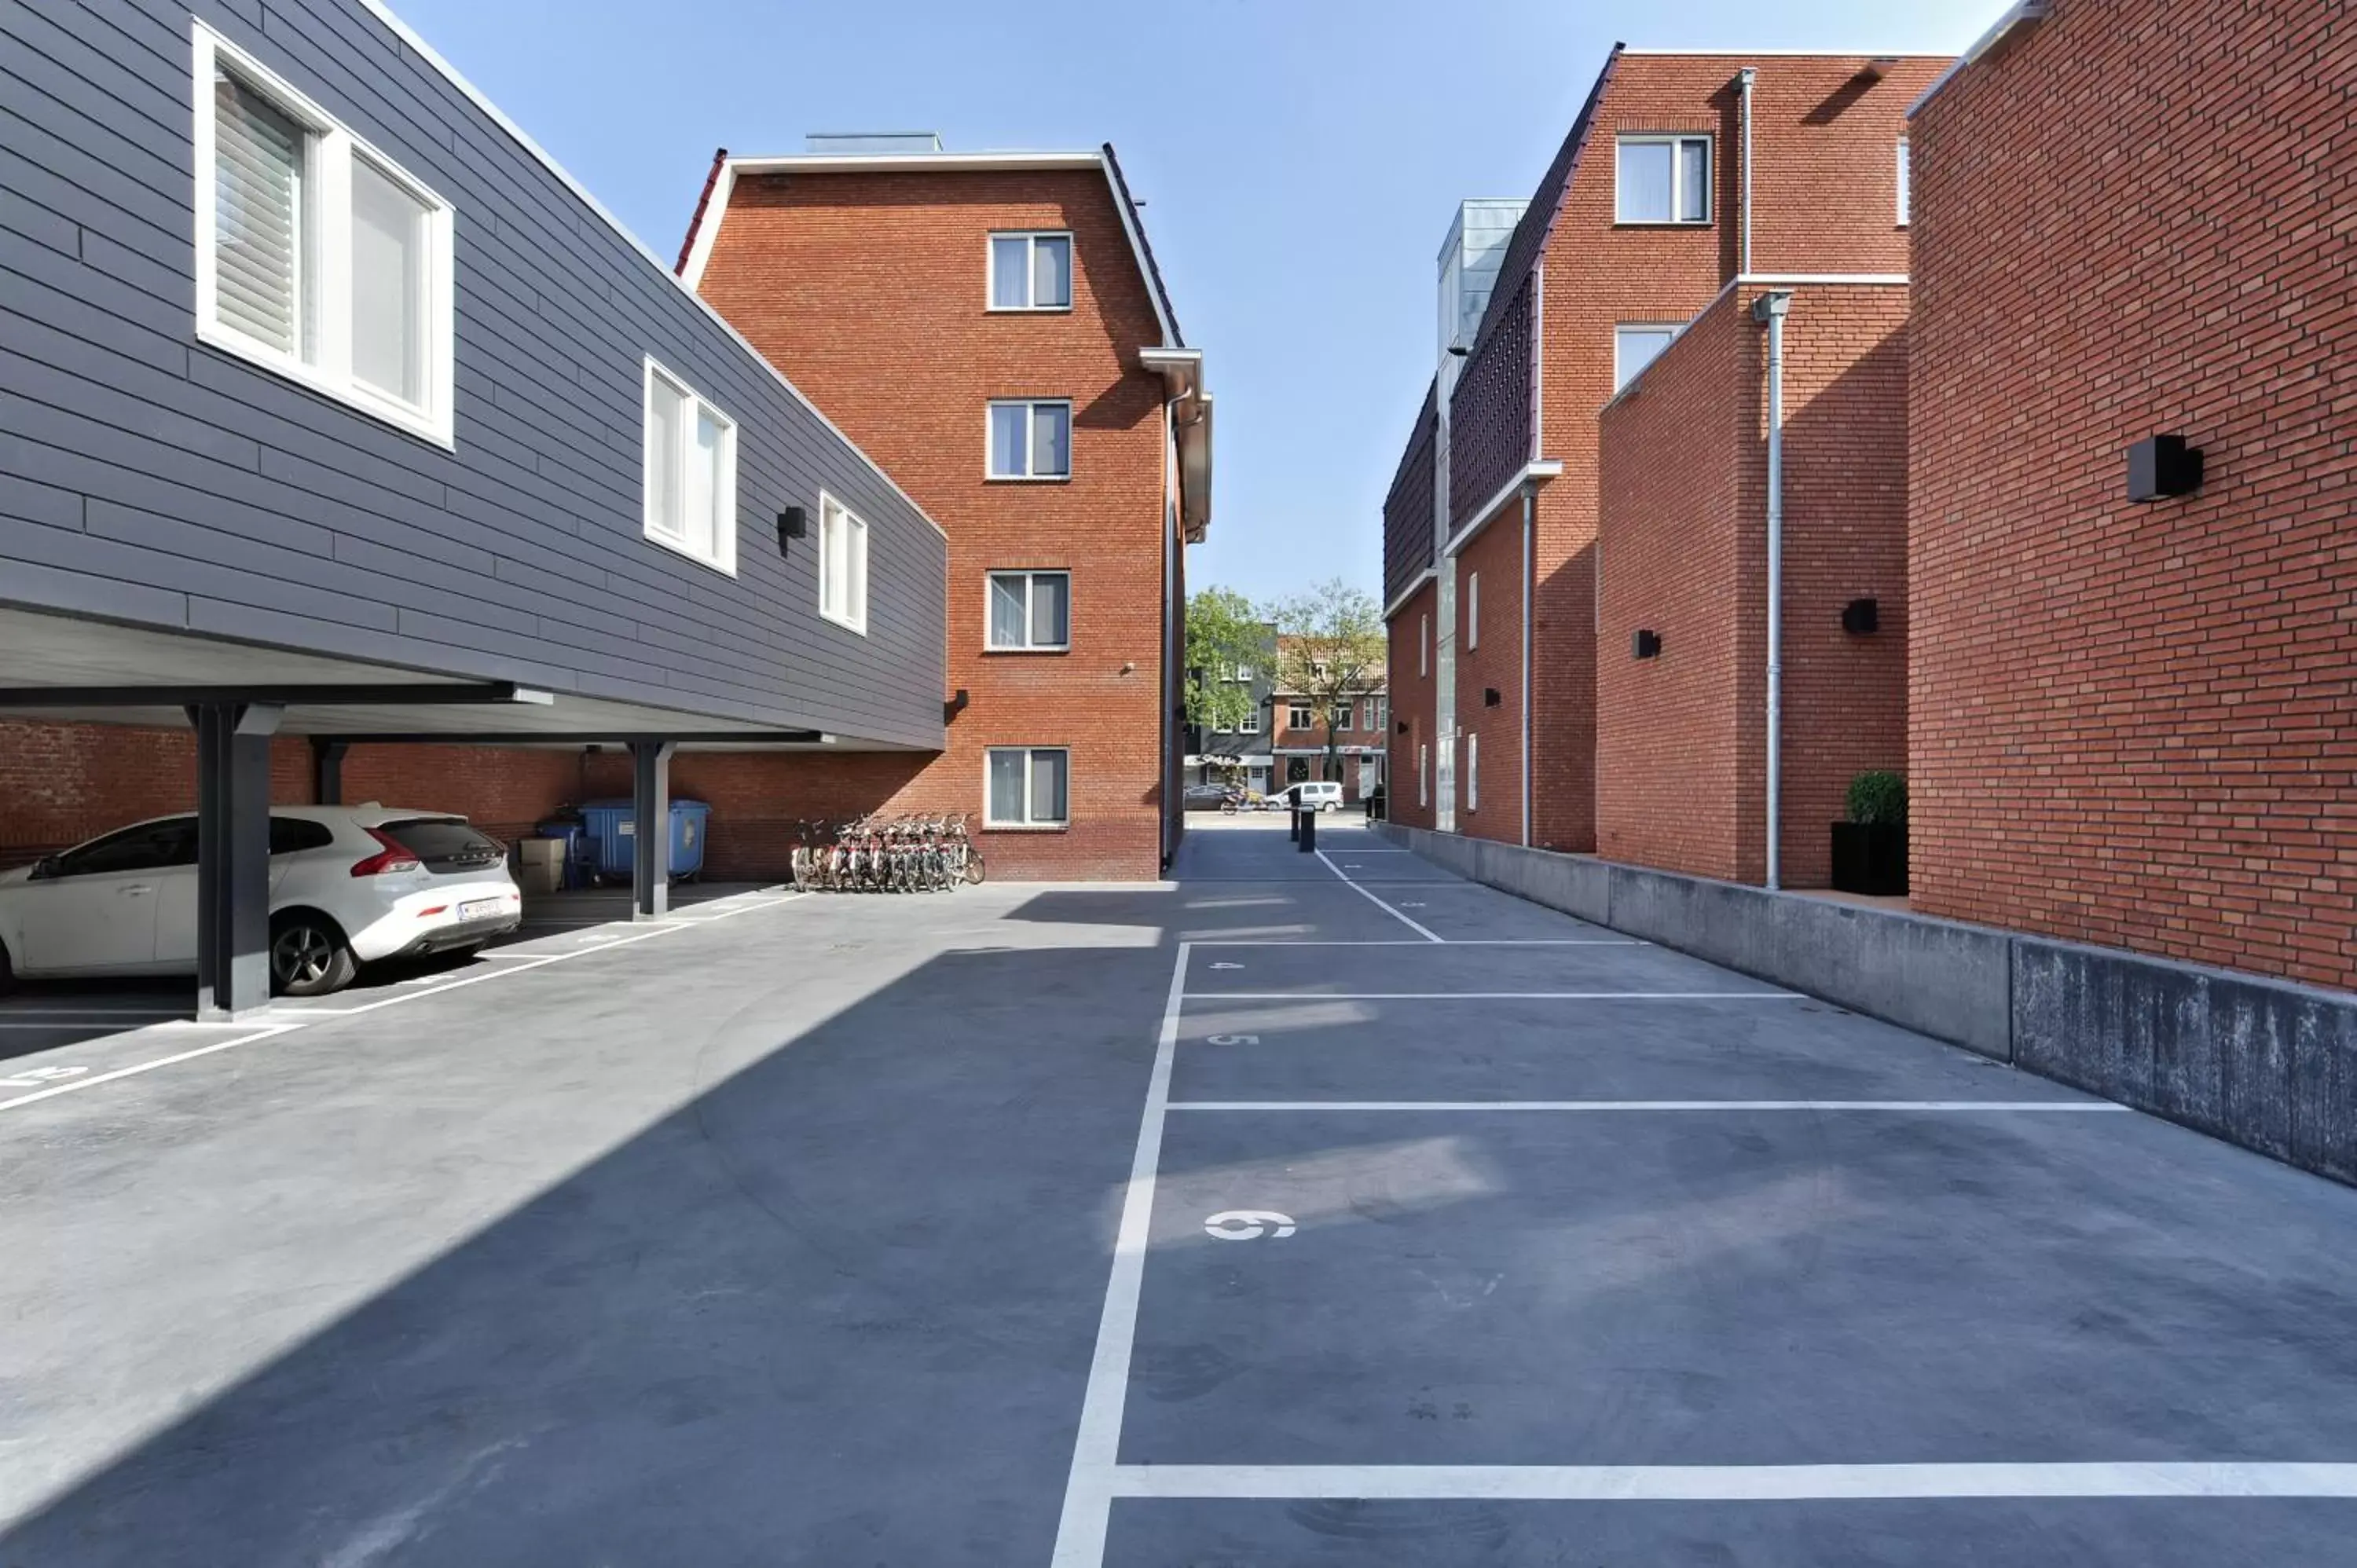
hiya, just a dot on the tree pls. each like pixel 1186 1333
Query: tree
pixel 1225 634
pixel 1331 647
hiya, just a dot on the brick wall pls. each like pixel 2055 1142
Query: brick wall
pixel 1682 747
pixel 1670 773
pixel 62 783
pixel 1492 662
pixel 2136 726
pixel 1412 700
pixel 1825 154
pixel 868 290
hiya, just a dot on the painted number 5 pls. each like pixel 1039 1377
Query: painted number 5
pixel 1232 1039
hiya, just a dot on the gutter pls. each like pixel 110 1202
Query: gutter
pixel 1533 473
pixel 1189 406
pixel 2022 13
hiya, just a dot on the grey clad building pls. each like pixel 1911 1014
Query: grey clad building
pixel 330 406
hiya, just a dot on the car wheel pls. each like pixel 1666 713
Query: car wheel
pixel 308 956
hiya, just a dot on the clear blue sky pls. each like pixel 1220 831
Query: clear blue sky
pixel 1299 160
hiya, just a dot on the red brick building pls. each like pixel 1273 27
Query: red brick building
pixel 1651 208
pixel 1682 738
pixel 992 328
pixel 2135 724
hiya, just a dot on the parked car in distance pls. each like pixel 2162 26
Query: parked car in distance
pixel 349 885
pixel 1316 795
pixel 1209 796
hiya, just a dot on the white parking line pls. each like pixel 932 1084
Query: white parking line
pixel 1736 1483
pixel 1648 1105
pixel 1096 1449
pixel 82 1083
pixel 1423 932
pixel 1462 942
pixel 295 1018
pixel 1495 997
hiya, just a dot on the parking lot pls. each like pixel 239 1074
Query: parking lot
pixel 1315 1210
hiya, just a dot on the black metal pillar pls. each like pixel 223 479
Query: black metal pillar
pixel 1309 832
pixel 651 828
pixel 328 771
pixel 232 855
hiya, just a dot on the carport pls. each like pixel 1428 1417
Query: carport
pixel 237 696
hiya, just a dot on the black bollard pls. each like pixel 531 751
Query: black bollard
pixel 1308 832
pixel 1293 824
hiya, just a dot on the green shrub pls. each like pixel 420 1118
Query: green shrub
pixel 1879 797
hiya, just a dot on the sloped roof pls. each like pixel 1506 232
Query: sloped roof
pixel 1528 243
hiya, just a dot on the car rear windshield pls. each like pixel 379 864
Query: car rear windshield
pixel 444 843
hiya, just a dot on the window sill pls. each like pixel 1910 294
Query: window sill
pixel 858 628
pixel 1058 649
pixel 1662 223
pixel 1027 310
pixel 680 549
pixel 408 421
pixel 1026 478
pixel 1025 827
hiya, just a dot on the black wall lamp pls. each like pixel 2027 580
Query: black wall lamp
pixel 1489 696
pixel 792 523
pixel 2163 466
pixel 956 705
pixel 1402 726
pixel 1860 617
pixel 1646 645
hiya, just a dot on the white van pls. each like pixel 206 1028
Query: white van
pixel 1316 795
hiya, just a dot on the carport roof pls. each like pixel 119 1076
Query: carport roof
pixel 67 653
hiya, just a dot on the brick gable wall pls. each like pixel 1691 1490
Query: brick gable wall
pixel 868 290
pixel 2136 726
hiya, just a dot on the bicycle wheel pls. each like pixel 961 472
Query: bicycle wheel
pixel 974 870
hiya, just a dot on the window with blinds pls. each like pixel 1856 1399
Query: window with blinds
pixel 691 472
pixel 258 215
pixel 317 257
pixel 843 565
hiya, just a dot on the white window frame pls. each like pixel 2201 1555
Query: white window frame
pixel 722 558
pixel 1473 774
pixel 1374 721
pixel 1293 708
pixel 1472 611
pixel 832 511
pixel 1251 722
pixel 1676 329
pixel 1031 275
pixel 1423 644
pixel 324 272
pixel 1906 184
pixel 1340 719
pixel 1026 825
pixel 989 622
pixel 1030 434
pixel 1424 774
pixel 1674 140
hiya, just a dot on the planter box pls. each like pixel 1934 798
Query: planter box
pixel 1869 857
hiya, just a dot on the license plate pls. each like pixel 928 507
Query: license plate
pixel 481 909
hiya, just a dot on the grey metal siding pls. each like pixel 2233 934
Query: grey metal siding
pixel 144 475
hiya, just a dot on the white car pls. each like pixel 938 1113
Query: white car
pixel 1316 795
pixel 349 885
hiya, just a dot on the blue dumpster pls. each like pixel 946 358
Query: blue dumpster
pixel 612 825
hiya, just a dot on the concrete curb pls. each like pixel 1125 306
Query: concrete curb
pixel 2264 1063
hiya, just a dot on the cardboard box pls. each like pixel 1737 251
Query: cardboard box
pixel 543 869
